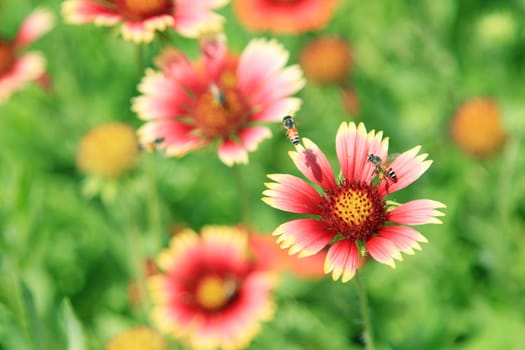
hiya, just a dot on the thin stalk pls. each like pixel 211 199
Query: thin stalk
pixel 365 314
pixel 243 195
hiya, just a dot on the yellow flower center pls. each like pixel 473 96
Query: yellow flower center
pixel 214 292
pixel 220 112
pixel 7 56
pixel 354 209
pixel 142 9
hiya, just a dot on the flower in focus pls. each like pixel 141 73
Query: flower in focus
pixel 140 338
pixel 141 18
pixel 16 68
pixel 326 60
pixel 209 294
pixel 352 217
pixel 284 16
pixel 108 150
pixel 221 97
pixel 477 128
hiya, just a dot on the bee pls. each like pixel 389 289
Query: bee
pixel 381 169
pixel 151 146
pixel 217 95
pixel 291 130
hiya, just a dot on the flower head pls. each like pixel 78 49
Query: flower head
pixel 109 150
pixel 352 216
pixel 221 97
pixel 315 55
pixel 16 68
pixel 141 18
pixel 284 16
pixel 139 338
pixel 210 294
pixel 477 128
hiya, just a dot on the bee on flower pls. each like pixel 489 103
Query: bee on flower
pixel 351 216
pixel 221 98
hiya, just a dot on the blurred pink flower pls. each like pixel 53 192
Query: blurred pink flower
pixel 16 68
pixel 209 294
pixel 221 97
pixel 141 18
pixel 353 216
pixel 284 16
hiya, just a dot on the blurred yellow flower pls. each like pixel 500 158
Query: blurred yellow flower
pixel 108 150
pixel 140 338
pixel 477 128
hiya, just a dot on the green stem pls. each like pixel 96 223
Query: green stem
pixel 140 58
pixel 365 314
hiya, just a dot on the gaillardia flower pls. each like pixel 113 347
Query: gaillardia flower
pixel 284 16
pixel 477 127
pixel 139 338
pixel 210 294
pixel 108 150
pixel 221 97
pixel 141 18
pixel 17 69
pixel 351 215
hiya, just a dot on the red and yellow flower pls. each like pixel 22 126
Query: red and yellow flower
pixel 141 18
pixel 351 216
pixel 17 68
pixel 210 293
pixel 284 16
pixel 221 97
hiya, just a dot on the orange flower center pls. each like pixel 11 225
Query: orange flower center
pixel 355 210
pixel 7 57
pixel 220 112
pixel 137 10
pixel 214 292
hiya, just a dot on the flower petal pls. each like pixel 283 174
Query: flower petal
pixel 196 17
pixel 231 152
pixel 252 136
pixel 162 98
pixel 291 193
pixel 144 31
pixel 417 212
pixel 87 11
pixel 275 111
pixel 404 238
pixel 214 52
pixel 177 138
pixel 312 162
pixel 260 61
pixel 39 22
pixel 304 236
pixel 408 168
pixel 383 250
pixel 352 146
pixel 342 260
pixel 27 68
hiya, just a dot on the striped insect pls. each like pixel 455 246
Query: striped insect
pixel 152 145
pixel 382 170
pixel 291 130
pixel 217 95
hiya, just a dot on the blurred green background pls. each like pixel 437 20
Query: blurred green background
pixel 66 260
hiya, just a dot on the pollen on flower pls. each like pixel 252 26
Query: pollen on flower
pixel 355 210
pixel 214 118
pixel 214 292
